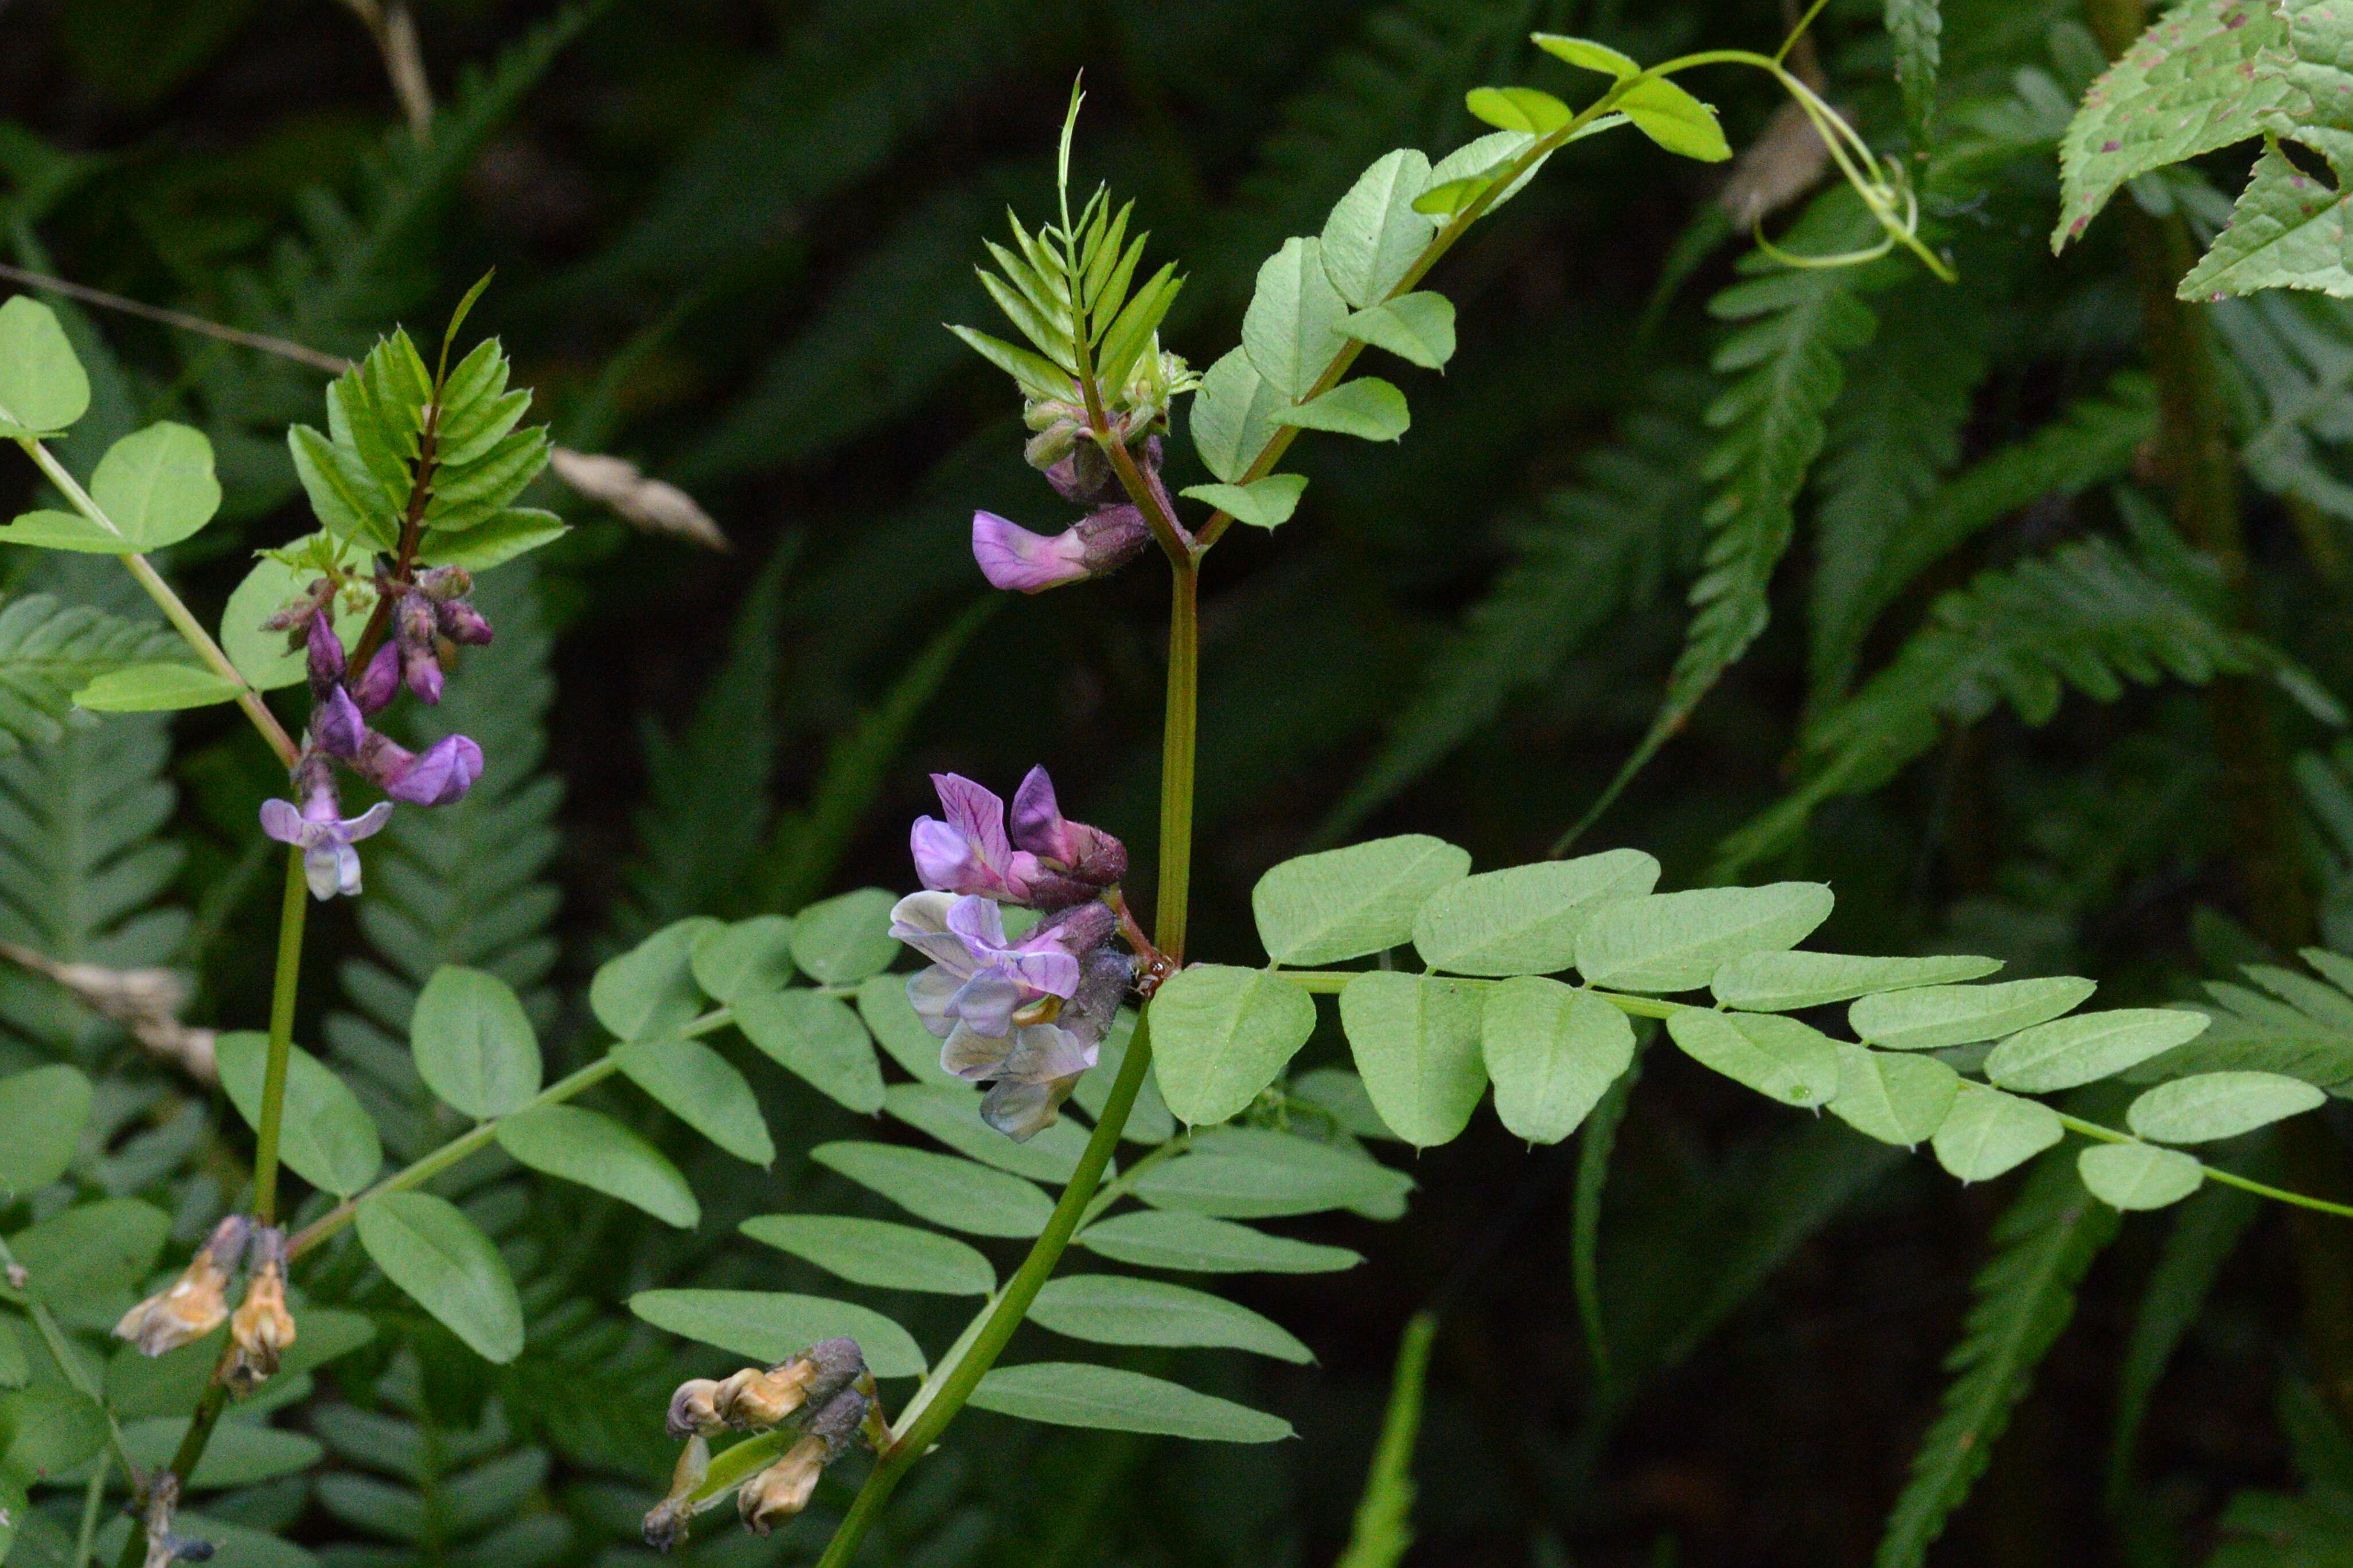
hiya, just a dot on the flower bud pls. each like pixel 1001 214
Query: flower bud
pixel 461 623
pixel 192 1305
pixel 414 629
pixel 378 682
pixel 262 1329
pixel 326 654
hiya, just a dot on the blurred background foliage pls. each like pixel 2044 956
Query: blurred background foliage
pixel 727 233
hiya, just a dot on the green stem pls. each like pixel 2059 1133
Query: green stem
pixel 177 613
pixel 291 916
pixel 2213 1173
pixel 1178 735
pixel 1006 1316
pixel 101 1467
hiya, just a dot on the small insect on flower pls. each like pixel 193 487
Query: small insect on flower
pixel 195 1304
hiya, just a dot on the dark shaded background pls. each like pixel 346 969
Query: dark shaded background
pixel 725 235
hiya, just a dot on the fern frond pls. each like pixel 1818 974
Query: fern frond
pixel 2087 615
pixel 2286 1022
pixel 2205 1232
pixel 464 883
pixel 707 792
pixel 1892 435
pixel 2292 356
pixel 1594 549
pixel 437 1496
pixel 49 650
pixel 2043 1244
pixel 1797 322
pixel 2093 441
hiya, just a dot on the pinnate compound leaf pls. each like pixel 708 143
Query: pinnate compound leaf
pixel 951 1114
pixel 1676 941
pixel 1368 408
pixel 1931 1017
pixel 651 989
pixel 2212 1105
pixel 2066 1052
pixel 1219 1035
pixel 156 689
pixel 1292 332
pixel 2139 1175
pixel 1526 108
pixel 1784 982
pixel 1552 1051
pixel 819 1039
pixel 1524 920
pixel 324 1136
pixel 1373 236
pixel 1196 1244
pixel 1345 903
pixel 1587 55
pixel 843 940
pixel 2045 1244
pixel 2192 83
pixel 157 485
pixel 771 1326
pixel 474 1047
pixel 600 1153
pixel 425 1246
pixel 749 956
pixel 1262 503
pixel 1416 1039
pixel 2287 231
pixel 1255 1173
pixel 947 1191
pixel 1915 24
pixel 1779 1058
pixel 1109 1399
pixel 702 1089
pixel 877 1253
pixel 42 1113
pixel 1418 328
pixel 1233 417
pixel 1114 1310
pixel 42 386
pixel 1987 1132
pixel 1895 1098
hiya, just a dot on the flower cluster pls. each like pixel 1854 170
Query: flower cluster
pixel 1025 1015
pixel 196 1303
pixel 427 619
pixel 826 1385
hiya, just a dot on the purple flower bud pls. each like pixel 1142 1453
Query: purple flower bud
pixel 461 623
pixel 414 629
pixel 442 776
pixel 337 724
pixel 379 681
pixel 1076 861
pixel 326 663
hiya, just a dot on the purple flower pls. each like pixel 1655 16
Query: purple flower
pixel 1013 557
pixel 320 831
pixel 440 776
pixel 1068 852
pixel 969 852
pixel 415 628
pixel 379 683
pixel 337 724
pixel 1035 1070
pixel 978 979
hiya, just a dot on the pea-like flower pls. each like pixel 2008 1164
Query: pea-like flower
pixel 1075 862
pixel 1034 1072
pixel 978 978
pixel 195 1304
pixel 969 852
pixel 262 1330
pixel 320 831
pixel 1013 557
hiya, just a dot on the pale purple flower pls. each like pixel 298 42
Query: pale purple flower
pixel 439 777
pixel 1013 557
pixel 978 978
pixel 1035 1070
pixel 969 852
pixel 322 832
pixel 1068 852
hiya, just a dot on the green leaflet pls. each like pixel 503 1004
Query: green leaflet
pixel 1779 1058
pixel 651 989
pixel 1292 328
pixel 773 1325
pixel 947 1191
pixel 599 1153
pixel 1070 1393
pixel 2044 1243
pixel 702 1089
pixel 750 956
pixel 1418 328
pixel 1676 941
pixel 1986 1132
pixel 2139 1175
pixel 1552 1052
pixel 435 1254
pixel 1345 903
pixel 1373 236
pixel 241 1452
pixel 1368 408
pixel 1895 1098
pixel 1233 416
pixel 2195 82
pixel 1932 1016
pixel 1114 1310
pixel 2208 1106
pixel 85 1260
pixel 1254 1173
pixel 1221 1035
pixel 473 1045
pixel 325 1136
pixel 1262 503
pixel 817 1038
pixel 41 1116
pixel 1416 1039
pixel 951 1114
pixel 843 940
pixel 1526 920
pixel 156 689
pixel 1194 1243
pixel 1786 982
pixel 877 1253
pixel 2287 231
pixel 43 388
pixel 2066 1052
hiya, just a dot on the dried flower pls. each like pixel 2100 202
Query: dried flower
pixel 146 1001
pixel 319 829
pixel 666 1525
pixel 192 1305
pixel 753 1398
pixel 650 504
pixel 1013 557
pixel 262 1329
pixel 694 1409
pixel 782 1489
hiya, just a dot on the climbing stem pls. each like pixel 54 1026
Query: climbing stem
pixel 291 914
